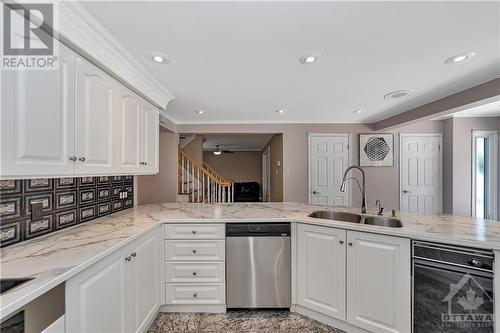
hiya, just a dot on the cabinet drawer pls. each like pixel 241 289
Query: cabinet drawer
pixel 194 231
pixel 187 293
pixel 194 272
pixel 194 250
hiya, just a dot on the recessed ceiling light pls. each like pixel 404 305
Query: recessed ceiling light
pixel 357 111
pixel 280 111
pixel 459 58
pixel 158 59
pixel 199 111
pixel 309 58
pixel 397 94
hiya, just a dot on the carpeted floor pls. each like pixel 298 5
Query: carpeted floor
pixel 238 321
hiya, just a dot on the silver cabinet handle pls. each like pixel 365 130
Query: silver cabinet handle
pixel 72 158
pixel 128 258
pixel 341 241
pixel 82 159
pixel 194 250
pixel 350 243
pixel 194 232
pixel 194 273
pixel 195 295
pixel 133 254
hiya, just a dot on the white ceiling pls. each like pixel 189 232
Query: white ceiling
pixel 236 142
pixel 238 61
pixel 491 109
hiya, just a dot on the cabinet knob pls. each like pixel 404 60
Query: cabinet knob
pixel 194 250
pixel 133 254
pixel 194 232
pixel 194 273
pixel 143 163
pixel 349 243
pixel 82 159
pixel 128 258
pixel 195 295
pixel 72 158
pixel 341 241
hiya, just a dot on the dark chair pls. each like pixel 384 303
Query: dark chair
pixel 246 192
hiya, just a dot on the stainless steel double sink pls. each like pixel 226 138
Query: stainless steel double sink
pixel 383 221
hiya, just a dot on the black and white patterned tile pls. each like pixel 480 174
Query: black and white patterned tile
pixel 66 202
pixel 238 321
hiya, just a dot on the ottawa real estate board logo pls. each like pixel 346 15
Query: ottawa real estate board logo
pixel 28 30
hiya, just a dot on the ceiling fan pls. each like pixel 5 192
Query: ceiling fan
pixel 219 151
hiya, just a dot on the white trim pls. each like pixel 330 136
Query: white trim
pixel 266 185
pixel 349 158
pixel 78 27
pixel 438 135
pixel 494 174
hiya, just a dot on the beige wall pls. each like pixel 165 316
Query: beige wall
pixel 460 132
pixel 241 166
pixel 195 149
pixel 276 178
pixel 382 182
pixel 163 186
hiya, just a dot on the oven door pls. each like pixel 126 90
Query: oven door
pixel 447 298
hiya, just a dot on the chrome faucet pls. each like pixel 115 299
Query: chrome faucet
pixel 378 203
pixel 361 189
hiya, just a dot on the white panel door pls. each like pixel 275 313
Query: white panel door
pixel 37 120
pixel 128 132
pixel 421 173
pixel 378 282
pixel 145 280
pixel 328 159
pixel 321 268
pixel 97 298
pixel 95 134
pixel 150 137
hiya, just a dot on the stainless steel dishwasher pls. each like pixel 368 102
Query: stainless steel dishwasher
pixel 258 265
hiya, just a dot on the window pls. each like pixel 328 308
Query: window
pixel 484 174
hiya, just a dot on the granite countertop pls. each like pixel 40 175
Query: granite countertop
pixel 56 257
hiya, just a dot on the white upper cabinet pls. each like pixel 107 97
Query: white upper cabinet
pixel 129 117
pixel 321 269
pixel 95 120
pixel 150 137
pixel 38 120
pixel 378 282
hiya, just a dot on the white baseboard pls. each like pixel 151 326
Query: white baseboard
pixel 337 323
pixel 193 308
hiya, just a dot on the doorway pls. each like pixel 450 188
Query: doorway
pixel 328 159
pixel 484 174
pixel 421 173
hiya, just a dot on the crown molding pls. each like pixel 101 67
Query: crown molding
pixel 82 31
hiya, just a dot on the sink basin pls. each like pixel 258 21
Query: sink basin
pixel 337 216
pixel 8 284
pixel 383 221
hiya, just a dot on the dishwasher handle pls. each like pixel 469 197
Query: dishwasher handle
pixel 258 230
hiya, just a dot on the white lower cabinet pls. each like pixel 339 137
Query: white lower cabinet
pixel 361 278
pixel 322 286
pixel 378 282
pixel 120 293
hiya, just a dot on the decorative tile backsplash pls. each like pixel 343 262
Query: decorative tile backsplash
pixel 65 202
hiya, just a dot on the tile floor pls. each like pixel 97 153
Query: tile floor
pixel 238 321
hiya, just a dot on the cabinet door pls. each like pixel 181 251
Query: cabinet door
pixel 145 280
pixel 37 120
pixel 321 269
pixel 128 132
pixel 97 298
pixel 378 282
pixel 95 139
pixel 150 137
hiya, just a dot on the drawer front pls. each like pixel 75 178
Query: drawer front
pixel 194 231
pixel 194 272
pixel 194 250
pixel 188 293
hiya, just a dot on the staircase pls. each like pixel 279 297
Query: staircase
pixel 200 183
